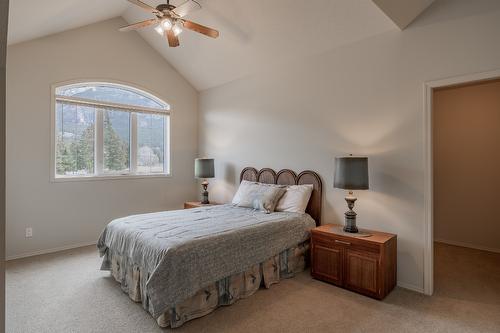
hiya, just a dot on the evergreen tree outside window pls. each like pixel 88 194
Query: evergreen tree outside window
pixel 109 130
pixel 116 142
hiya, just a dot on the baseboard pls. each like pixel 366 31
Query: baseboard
pixel 55 249
pixel 471 246
pixel 411 287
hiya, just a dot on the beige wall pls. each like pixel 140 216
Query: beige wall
pixel 73 213
pixel 4 10
pixel 364 98
pixel 466 149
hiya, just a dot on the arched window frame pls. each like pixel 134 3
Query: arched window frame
pixel 165 110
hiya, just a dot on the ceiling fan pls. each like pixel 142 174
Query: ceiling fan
pixel 170 20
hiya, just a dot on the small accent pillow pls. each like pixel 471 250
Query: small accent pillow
pixel 295 199
pixel 263 197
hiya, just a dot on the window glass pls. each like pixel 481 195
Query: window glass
pixel 74 139
pixel 113 94
pixel 151 143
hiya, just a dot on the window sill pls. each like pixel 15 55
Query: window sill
pixel 107 177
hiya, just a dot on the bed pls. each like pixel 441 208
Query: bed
pixel 184 264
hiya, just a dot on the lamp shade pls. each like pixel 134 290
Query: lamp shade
pixel 351 173
pixel 204 168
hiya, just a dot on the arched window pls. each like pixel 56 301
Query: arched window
pixel 107 129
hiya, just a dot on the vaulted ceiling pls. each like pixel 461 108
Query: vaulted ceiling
pixel 254 35
pixel 29 19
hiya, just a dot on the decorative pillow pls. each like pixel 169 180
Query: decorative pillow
pixel 263 197
pixel 295 199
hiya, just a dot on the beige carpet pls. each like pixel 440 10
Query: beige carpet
pixel 65 292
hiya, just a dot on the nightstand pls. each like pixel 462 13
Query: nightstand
pixel 364 262
pixel 196 204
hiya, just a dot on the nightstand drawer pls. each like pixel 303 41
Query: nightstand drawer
pixel 321 240
pixel 352 242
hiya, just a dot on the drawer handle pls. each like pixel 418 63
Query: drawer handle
pixel 342 242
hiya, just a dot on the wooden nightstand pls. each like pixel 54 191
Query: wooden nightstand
pixel 366 265
pixel 196 204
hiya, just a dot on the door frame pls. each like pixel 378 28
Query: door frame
pixel 429 87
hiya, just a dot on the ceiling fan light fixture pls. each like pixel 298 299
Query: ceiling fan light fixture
pixel 176 29
pixel 159 29
pixel 169 22
pixel 166 24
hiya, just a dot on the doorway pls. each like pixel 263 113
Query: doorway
pixel 466 164
pixel 462 132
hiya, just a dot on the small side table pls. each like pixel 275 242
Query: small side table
pixel 196 204
pixel 363 262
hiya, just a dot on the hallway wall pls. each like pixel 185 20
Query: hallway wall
pixel 466 143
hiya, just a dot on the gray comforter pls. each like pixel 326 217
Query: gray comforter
pixel 183 251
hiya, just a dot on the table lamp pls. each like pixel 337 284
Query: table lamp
pixel 351 173
pixel 203 169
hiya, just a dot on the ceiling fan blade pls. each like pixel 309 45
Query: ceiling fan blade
pixel 200 28
pixel 186 8
pixel 139 25
pixel 173 41
pixel 146 7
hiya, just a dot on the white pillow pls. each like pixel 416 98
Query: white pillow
pixel 263 197
pixel 295 199
pixel 242 190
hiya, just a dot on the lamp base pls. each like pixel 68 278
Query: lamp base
pixel 350 215
pixel 204 194
pixel 350 224
pixel 352 229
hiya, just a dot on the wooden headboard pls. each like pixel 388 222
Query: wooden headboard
pixel 288 177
